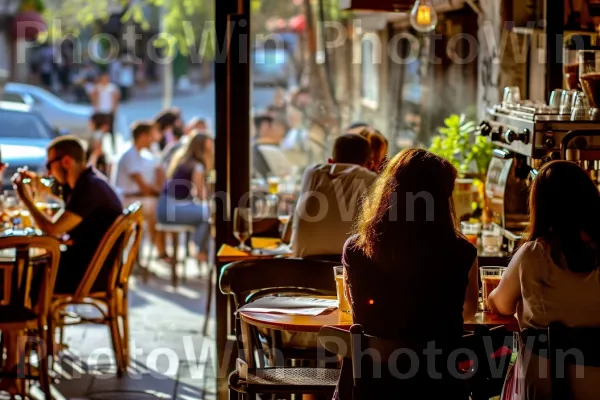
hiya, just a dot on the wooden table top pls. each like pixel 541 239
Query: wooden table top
pixel 228 254
pixel 302 323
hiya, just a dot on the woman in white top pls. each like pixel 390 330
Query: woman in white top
pixel 555 275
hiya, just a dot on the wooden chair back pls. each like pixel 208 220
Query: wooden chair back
pixel 22 258
pixel 113 238
pixel 563 346
pixel 131 242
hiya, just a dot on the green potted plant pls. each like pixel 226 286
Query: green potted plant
pixel 470 153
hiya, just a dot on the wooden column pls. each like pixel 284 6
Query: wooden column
pixel 232 151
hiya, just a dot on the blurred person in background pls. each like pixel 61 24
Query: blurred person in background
pixel 138 176
pixel 197 124
pixel 126 77
pixel 99 152
pixel 268 157
pixel 166 121
pixel 377 141
pixel 184 200
pixel 105 99
pixel 342 182
pixel 179 141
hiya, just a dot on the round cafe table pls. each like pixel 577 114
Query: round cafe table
pixel 302 323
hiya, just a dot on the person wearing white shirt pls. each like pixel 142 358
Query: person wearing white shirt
pixel 329 199
pixel 268 157
pixel 105 98
pixel 138 176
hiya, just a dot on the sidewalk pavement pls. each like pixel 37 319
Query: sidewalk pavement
pixel 170 357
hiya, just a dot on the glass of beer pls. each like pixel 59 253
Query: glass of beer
pixel 471 231
pixel 490 279
pixel 273 183
pixel 340 287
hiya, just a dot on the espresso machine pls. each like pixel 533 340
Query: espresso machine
pixel 525 137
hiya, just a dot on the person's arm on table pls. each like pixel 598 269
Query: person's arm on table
pixel 472 294
pixel 504 299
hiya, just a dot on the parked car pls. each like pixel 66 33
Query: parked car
pixel 273 67
pixel 60 114
pixel 24 136
pixel 63 116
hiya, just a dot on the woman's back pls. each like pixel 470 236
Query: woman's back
pixel 419 300
pixel 421 296
pixel 552 293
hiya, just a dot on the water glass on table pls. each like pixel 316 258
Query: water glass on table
pixel 340 287
pixel 490 279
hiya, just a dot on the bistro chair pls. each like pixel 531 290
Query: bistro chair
pixel 33 257
pixel 560 339
pixel 177 231
pixel 246 281
pixel 356 348
pixel 125 234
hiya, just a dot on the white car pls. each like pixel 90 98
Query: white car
pixel 61 115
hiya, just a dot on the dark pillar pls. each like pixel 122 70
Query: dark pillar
pixel 232 151
pixel 554 16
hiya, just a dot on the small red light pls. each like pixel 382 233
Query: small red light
pixel 371 302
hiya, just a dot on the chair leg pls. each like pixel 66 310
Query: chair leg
pixel 113 323
pixel 44 371
pixel 209 296
pixel 174 277
pixel 188 238
pixel 185 258
pixel 146 268
pixel 125 322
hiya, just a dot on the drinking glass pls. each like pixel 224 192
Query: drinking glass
pixel 566 101
pixel 491 239
pixel 554 102
pixel 581 108
pixel 242 226
pixel 11 206
pixel 273 183
pixel 340 288
pixel 471 231
pixel 490 279
pixel 512 95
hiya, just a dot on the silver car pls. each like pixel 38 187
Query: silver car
pixel 24 136
pixel 73 118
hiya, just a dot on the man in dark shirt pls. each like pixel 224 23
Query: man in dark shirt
pixel 91 208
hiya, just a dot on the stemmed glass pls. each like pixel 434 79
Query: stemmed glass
pixel 242 226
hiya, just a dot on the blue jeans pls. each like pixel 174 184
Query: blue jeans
pixel 178 212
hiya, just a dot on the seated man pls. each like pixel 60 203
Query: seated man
pixel 267 156
pixel 328 201
pixel 90 209
pixel 139 177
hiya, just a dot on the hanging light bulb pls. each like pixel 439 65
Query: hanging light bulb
pixel 423 16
